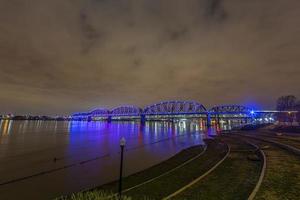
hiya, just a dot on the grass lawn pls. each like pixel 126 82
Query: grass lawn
pixel 293 143
pixel 288 140
pixel 235 178
pixel 282 178
pixel 100 195
pixel 287 129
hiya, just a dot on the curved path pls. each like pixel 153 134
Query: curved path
pixel 284 144
pixel 231 179
pixel 282 178
pixel 283 137
pixel 199 178
pixel 263 169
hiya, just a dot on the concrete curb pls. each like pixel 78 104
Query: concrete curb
pixel 263 169
pixel 179 166
pixel 281 145
pixel 165 173
pixel 262 173
pixel 199 178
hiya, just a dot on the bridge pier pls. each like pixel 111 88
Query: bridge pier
pixel 89 118
pixel 109 119
pixel 143 119
pixel 208 120
pixel 218 120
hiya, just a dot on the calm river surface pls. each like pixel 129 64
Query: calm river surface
pixel 46 159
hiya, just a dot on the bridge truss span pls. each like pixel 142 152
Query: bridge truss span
pixel 128 111
pixel 175 107
pixel 99 114
pixel 167 110
pixel 235 113
pixel 81 116
pixel 179 110
pixel 230 109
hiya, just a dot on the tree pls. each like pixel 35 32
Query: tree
pixel 297 106
pixel 286 103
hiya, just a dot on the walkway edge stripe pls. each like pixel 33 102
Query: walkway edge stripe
pixel 163 174
pixel 261 177
pixel 179 166
pixel 262 173
pixel 199 178
pixel 287 147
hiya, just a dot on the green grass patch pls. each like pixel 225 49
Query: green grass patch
pixel 96 195
pixel 287 129
pixel 293 143
pixel 173 181
pixel 282 178
pixel 288 140
pixel 235 178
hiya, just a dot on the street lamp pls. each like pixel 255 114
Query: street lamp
pixel 122 145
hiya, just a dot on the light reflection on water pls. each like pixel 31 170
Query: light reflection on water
pixel 116 127
pixel 30 147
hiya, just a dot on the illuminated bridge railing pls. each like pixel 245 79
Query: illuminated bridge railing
pixel 99 113
pixel 169 109
pixel 231 110
pixel 127 112
pixel 81 116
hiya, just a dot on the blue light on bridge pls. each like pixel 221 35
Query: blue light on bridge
pixel 174 111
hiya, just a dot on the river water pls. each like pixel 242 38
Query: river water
pixel 46 159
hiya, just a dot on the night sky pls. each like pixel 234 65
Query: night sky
pixel 63 56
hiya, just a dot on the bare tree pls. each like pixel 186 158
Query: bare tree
pixel 286 103
pixel 297 106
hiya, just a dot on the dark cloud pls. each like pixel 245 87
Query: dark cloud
pixel 177 34
pixel 64 56
pixel 90 34
pixel 215 9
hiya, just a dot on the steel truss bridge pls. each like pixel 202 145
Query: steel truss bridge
pixel 172 110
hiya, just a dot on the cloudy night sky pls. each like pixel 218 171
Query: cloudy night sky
pixel 63 56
